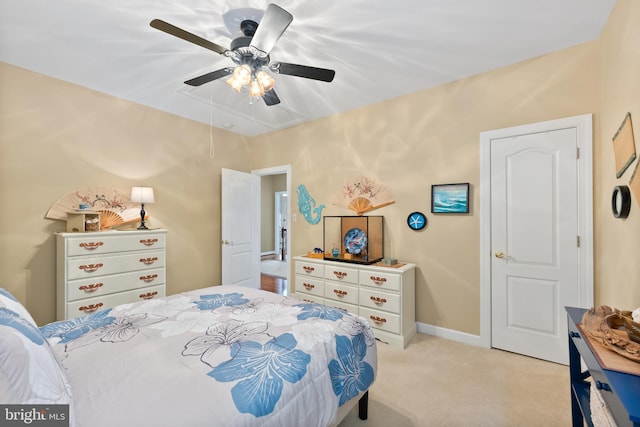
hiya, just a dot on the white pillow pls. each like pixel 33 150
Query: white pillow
pixel 30 372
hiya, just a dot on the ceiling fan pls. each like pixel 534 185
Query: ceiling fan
pixel 250 53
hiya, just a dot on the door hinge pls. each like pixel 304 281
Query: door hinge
pixel 577 152
pixel 578 241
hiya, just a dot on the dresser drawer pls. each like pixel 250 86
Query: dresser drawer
pixel 381 320
pixel 309 298
pixel 90 305
pixel 341 292
pixel 83 267
pixel 105 243
pixel 342 306
pixel 309 269
pixel 379 300
pixel 341 274
pixel 310 285
pixel 380 280
pixel 104 285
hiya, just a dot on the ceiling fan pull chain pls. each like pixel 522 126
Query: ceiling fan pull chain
pixel 211 145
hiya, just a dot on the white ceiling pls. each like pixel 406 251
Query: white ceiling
pixel 380 49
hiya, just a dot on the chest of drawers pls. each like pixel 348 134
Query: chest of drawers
pixel 385 296
pixel 95 271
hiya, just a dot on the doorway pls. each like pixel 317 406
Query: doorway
pixel 275 233
pixel 536 234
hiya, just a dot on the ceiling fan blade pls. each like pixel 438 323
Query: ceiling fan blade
pixel 273 24
pixel 314 73
pixel 209 77
pixel 185 35
pixel 271 98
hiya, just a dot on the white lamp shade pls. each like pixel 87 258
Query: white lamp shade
pixel 142 195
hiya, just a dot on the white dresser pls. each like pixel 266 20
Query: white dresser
pixel 102 269
pixel 385 296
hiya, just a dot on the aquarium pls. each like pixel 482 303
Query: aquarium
pixel 357 239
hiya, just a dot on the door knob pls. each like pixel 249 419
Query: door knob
pixel 499 254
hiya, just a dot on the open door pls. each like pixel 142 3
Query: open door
pixel 240 229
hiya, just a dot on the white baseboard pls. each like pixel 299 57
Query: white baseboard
pixel 450 334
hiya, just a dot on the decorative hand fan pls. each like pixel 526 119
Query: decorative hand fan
pixel 362 195
pixel 109 218
pixel 114 206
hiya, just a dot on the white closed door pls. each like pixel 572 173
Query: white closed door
pixel 535 240
pixel 240 229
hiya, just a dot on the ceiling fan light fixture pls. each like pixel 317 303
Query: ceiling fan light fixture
pixel 242 74
pixel 266 81
pixel 235 84
pixel 255 89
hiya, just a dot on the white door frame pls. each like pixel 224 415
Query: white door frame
pixel 277 170
pixel 583 125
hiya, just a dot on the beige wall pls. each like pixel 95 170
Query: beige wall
pixel 427 138
pixel 617 248
pixel 56 137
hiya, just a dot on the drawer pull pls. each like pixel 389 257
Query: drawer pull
pixel 340 293
pixel 340 274
pixel 308 269
pixel 602 386
pixel 149 278
pixel 91 307
pixel 149 242
pixel 90 268
pixel 148 261
pixel 91 288
pixel 378 320
pixel 308 286
pixel 378 300
pixel 148 295
pixel 91 245
pixel 574 334
pixel 378 280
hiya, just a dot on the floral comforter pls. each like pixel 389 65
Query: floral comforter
pixel 219 356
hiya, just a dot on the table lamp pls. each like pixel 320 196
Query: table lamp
pixel 142 195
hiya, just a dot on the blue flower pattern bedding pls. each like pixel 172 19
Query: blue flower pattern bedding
pixel 220 356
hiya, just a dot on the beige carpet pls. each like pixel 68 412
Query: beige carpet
pixel 437 382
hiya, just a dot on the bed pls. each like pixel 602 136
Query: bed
pixel 219 356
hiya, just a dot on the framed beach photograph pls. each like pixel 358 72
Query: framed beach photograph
pixel 450 198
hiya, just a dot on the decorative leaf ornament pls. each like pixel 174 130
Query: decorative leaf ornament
pixel 362 194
